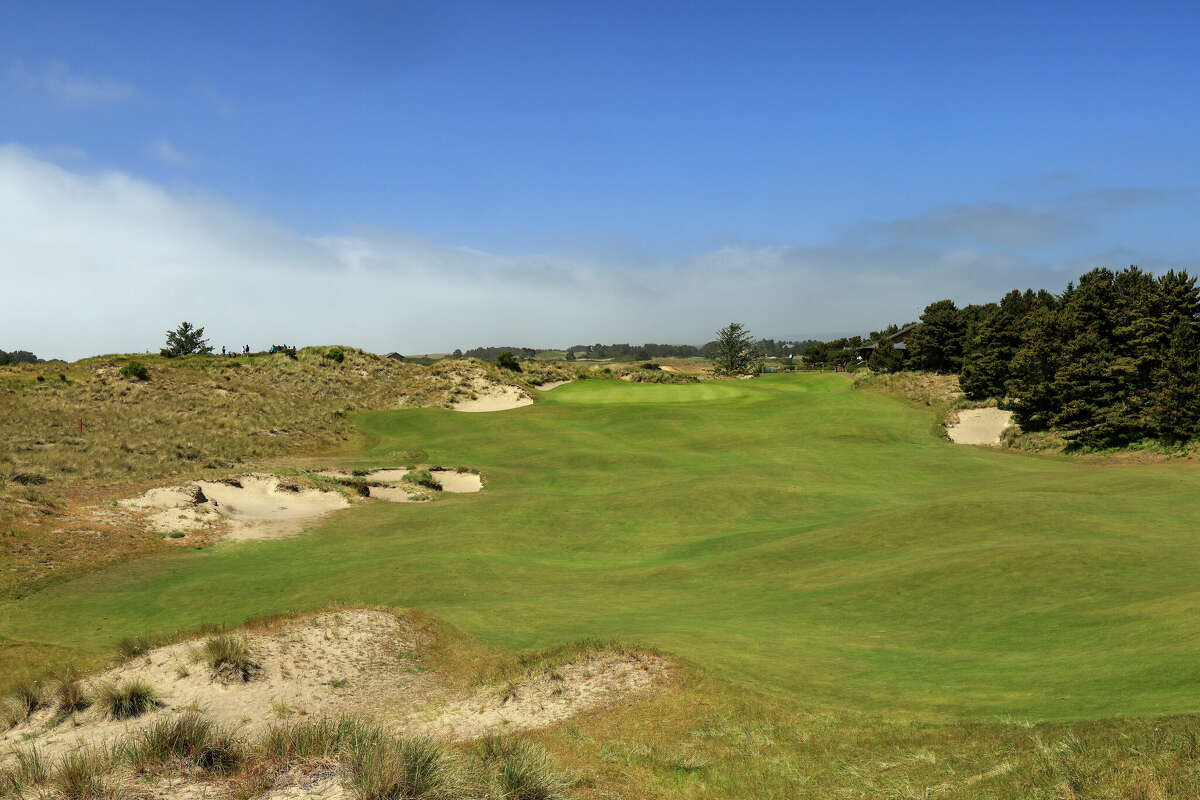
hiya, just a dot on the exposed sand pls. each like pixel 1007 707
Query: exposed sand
pixel 458 482
pixel 549 696
pixel 261 507
pixel 979 426
pixel 366 649
pixel 492 396
pixel 548 385
pixel 356 662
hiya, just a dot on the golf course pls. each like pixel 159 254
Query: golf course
pixel 819 545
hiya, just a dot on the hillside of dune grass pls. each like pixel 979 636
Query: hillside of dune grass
pixel 81 434
pixel 860 606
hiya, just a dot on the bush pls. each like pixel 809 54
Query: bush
pixel 335 354
pixel 651 365
pixel 507 360
pixel 229 657
pixel 135 369
pixel 191 738
pixel 126 700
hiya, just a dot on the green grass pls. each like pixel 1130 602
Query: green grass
pixel 790 534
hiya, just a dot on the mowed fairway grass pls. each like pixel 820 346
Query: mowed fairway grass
pixel 790 534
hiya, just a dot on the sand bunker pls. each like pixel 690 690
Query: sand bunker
pixel 548 385
pixel 358 662
pixel 492 396
pixel 452 481
pixel 979 426
pixel 247 507
pixel 551 695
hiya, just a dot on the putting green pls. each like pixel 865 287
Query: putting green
pixel 790 533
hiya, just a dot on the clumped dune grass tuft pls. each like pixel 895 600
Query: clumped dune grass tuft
pixel 311 739
pixel 69 693
pixel 132 647
pixel 189 738
pixel 125 700
pixel 387 768
pixel 522 769
pixel 229 657
pixel 79 775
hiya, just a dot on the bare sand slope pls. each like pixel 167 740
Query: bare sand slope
pixel 979 426
pixel 360 662
pixel 247 507
pixel 548 385
pixel 492 396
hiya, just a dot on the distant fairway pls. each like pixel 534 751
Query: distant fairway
pixel 789 533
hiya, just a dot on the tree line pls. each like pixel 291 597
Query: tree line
pixel 1113 360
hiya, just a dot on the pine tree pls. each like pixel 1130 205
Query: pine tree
pixel 186 340
pixel 937 343
pixel 735 350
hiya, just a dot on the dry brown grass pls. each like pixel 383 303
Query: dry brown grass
pixel 197 416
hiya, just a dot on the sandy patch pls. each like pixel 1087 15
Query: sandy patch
pixel 458 482
pixel 492 396
pixel 395 494
pixel 979 426
pixel 357 662
pixel 247 507
pixel 668 368
pixel 386 475
pixel 548 385
pixel 333 663
pixel 549 696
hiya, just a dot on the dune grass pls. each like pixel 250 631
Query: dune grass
pixel 812 545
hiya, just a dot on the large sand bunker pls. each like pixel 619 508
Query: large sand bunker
pixel 393 484
pixel 489 395
pixel 248 507
pixel 979 426
pixel 359 662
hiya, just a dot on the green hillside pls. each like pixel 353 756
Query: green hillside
pixel 789 533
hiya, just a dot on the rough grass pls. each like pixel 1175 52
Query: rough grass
pixel 190 739
pixel 229 657
pixel 127 699
pixel 862 609
pixel 196 416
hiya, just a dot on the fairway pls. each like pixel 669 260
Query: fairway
pixel 790 534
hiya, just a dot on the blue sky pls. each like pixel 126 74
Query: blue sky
pixel 553 173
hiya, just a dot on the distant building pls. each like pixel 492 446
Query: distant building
pixel 395 356
pixel 897 339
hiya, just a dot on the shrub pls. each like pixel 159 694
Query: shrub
pixel 130 699
pixel 423 477
pixel 507 360
pixel 69 692
pixel 229 657
pixel 135 369
pixel 650 365
pixel 189 737
pixel 335 354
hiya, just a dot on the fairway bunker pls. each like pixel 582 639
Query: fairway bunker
pixel 979 426
pixel 397 485
pixel 488 395
pixel 247 507
pixel 366 663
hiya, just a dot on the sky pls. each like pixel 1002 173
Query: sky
pixel 425 176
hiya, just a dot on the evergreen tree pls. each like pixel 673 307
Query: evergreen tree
pixel 186 340
pixel 937 343
pixel 734 351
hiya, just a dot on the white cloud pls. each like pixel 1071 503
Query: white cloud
pixel 58 82
pixel 164 151
pixel 106 262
